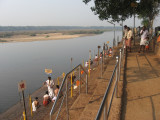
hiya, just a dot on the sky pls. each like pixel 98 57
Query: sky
pixel 51 13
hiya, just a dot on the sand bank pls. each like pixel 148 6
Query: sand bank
pixel 41 37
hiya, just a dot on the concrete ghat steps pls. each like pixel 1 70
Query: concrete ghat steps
pixel 91 109
pixel 78 106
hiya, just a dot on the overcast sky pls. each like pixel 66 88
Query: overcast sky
pixel 50 13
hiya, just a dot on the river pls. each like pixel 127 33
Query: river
pixel 27 61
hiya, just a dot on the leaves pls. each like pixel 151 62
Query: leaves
pixel 118 10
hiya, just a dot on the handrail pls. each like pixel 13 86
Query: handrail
pixel 106 93
pixel 103 106
pixel 62 85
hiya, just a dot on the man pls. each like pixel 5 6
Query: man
pixel 46 99
pixel 50 84
pixel 144 34
pixel 35 104
pixel 125 32
pixel 55 93
pixel 125 35
pixel 129 38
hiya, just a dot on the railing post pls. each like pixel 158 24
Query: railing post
pixel 67 99
pixel 71 86
pixel 120 55
pixel 116 76
pixel 101 66
pixel 79 80
pixel 86 84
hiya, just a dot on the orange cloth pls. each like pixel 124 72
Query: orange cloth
pixel 147 46
pixel 158 39
pixel 45 102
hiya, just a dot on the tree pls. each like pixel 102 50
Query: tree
pixel 147 10
pixel 118 10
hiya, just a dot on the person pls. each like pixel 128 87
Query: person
pixel 125 35
pixel 96 58
pixel 86 64
pixel 35 104
pixel 55 93
pixel 125 32
pixel 110 52
pixel 46 99
pixel 50 84
pixel 144 34
pixel 129 38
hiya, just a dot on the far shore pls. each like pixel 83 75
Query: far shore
pixel 41 37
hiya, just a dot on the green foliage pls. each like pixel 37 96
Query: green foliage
pixel 47 36
pixel 3 40
pixel 6 35
pixel 84 32
pixel 33 34
pixel 118 10
pixel 145 22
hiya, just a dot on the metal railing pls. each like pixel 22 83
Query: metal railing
pixel 104 110
pixel 64 89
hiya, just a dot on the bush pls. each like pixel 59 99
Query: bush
pixel 33 34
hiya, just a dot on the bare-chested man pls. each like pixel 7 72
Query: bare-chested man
pixel 55 93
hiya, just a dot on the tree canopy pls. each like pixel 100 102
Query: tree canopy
pixel 119 10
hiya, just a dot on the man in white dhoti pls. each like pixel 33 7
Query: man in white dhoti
pixel 144 34
pixel 50 84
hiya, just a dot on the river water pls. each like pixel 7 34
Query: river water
pixel 27 61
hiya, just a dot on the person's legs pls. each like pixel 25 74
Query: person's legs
pixel 143 47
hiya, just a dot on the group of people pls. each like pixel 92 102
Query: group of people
pixel 128 37
pixel 50 95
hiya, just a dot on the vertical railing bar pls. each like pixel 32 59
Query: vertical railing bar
pixel 79 80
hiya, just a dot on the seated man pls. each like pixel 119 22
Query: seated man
pixel 55 93
pixel 35 104
pixel 46 99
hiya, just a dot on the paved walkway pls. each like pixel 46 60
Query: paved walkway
pixel 142 92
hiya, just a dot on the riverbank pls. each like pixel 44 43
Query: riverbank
pixel 41 37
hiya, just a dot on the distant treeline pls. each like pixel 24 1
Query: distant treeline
pixel 34 28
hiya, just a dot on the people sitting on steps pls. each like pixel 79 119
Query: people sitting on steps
pixel 35 104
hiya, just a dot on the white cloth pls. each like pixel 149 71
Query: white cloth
pixel 33 107
pixel 96 57
pixel 50 85
pixel 86 64
pixel 54 98
pixel 143 37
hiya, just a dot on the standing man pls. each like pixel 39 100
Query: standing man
pixel 125 36
pixel 144 34
pixel 50 84
pixel 129 38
